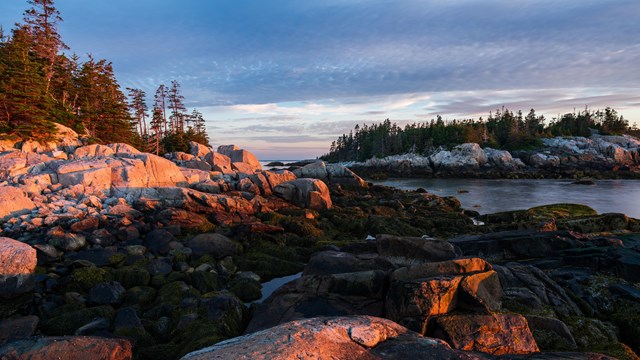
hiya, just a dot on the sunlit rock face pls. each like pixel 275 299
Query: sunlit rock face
pixel 68 347
pixel 14 202
pixel 241 160
pixel 355 337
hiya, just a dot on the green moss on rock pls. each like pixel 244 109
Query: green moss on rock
pixel 86 278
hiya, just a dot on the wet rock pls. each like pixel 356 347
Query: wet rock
pixel 17 328
pixel 551 333
pixel 216 245
pixel 336 262
pixel 359 293
pixel 107 293
pixel 158 241
pixel 406 251
pixel 529 290
pixel 68 347
pixel 496 334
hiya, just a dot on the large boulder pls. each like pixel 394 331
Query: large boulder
pixel 219 162
pixel 496 334
pixel 241 160
pixel 306 193
pixel 197 149
pixel 419 292
pixel 17 264
pixel 14 202
pixel 68 347
pixel 356 337
pixel 146 170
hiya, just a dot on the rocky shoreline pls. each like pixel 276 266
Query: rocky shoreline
pixel 110 253
pixel 571 157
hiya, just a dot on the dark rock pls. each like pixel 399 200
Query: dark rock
pixel 246 289
pixel 157 241
pixel 107 293
pixel 216 245
pixel 17 328
pixel 205 281
pixel 162 266
pixel 336 262
pixel 130 276
pixel 359 293
pixel 405 251
pixel 95 327
pixel 529 290
pixel 551 333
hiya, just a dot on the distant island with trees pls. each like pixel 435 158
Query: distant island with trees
pixel 40 85
pixel 502 129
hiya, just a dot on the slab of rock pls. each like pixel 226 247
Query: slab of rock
pixel 92 151
pixel 405 251
pixel 306 193
pixel 356 337
pixel 68 347
pixel 14 202
pixel 496 334
pixel 122 149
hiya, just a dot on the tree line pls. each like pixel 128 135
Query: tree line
pixel 41 85
pixel 503 129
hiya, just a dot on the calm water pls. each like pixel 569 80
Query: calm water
pixel 489 196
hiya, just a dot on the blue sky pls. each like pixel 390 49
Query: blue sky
pixel 285 78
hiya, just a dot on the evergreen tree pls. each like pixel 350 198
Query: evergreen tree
pixel 42 19
pixel 138 107
pixel 24 108
pixel 176 105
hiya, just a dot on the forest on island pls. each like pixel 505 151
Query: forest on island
pixel 503 129
pixel 40 85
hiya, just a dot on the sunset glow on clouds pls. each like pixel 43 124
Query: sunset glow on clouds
pixel 285 78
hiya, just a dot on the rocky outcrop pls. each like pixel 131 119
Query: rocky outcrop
pixel 330 174
pixel 601 156
pixel 360 337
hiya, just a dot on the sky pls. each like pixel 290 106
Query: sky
pixel 284 78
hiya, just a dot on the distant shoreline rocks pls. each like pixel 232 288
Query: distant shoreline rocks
pixel 561 157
